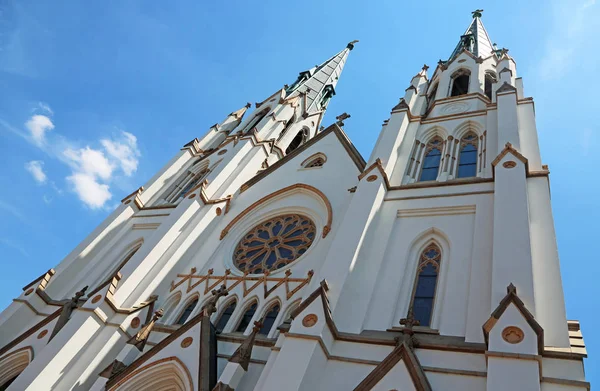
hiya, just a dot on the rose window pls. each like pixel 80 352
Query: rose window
pixel 274 243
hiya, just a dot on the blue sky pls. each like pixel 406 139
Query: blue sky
pixel 99 95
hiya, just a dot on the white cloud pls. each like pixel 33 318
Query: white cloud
pixel 38 125
pixel 44 108
pixel 90 161
pixel 125 152
pixel 35 168
pixel 93 193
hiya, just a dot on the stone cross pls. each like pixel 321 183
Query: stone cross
pixel 340 118
pixel 477 13
pixel 67 309
pixel 140 338
pixel 211 305
pixel 244 352
pixel 409 322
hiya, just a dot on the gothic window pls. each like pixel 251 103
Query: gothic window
pixel 190 179
pixel 255 121
pixel 225 316
pixel 467 160
pixel 328 93
pixel 431 96
pixel 432 159
pixel 246 318
pixel 187 312
pixel 424 293
pixel 288 125
pixel 298 140
pixel 460 82
pixel 170 306
pixel 274 243
pixel 490 79
pixel 318 162
pixel 269 320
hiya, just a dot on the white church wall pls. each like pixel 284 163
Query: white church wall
pixel 452 360
pixel 451 382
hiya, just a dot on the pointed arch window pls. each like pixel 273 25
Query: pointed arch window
pixel 298 140
pixel 328 93
pixel 187 312
pixel 116 268
pixel 255 121
pixel 432 159
pixel 425 287
pixel 225 316
pixel 246 318
pixel 431 96
pixel 460 82
pixel 490 79
pixel 190 179
pixel 467 159
pixel 269 320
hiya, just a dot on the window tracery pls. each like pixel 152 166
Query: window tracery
pixel 269 319
pixel 432 159
pixel 247 317
pixel 425 286
pixel 274 243
pixel 467 160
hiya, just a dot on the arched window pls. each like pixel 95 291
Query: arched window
pixel 12 365
pixel 490 79
pixel 269 320
pixel 170 306
pixel 467 160
pixel 246 318
pixel 298 140
pixel 328 93
pixel 187 312
pixel 460 82
pixel 431 161
pixel 288 125
pixel 424 293
pixel 431 96
pixel 190 179
pixel 318 162
pixel 225 316
pixel 255 121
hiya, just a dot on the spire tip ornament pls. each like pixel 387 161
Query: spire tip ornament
pixel 351 44
pixel 477 13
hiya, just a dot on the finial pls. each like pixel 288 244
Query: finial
pixel 511 289
pixel 340 119
pixel 425 67
pixel 477 13
pixel 409 322
pixel 351 44
pixel 248 105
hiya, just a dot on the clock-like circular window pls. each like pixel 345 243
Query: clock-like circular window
pixel 274 243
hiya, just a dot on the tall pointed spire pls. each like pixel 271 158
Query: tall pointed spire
pixel 319 82
pixel 476 39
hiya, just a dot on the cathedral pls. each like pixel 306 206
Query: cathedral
pixel 270 255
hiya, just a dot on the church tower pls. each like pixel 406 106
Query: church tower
pixel 269 255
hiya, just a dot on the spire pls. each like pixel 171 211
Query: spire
pixel 476 39
pixel 319 82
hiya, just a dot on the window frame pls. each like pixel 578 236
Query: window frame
pixel 428 149
pixel 459 73
pixel 427 246
pixel 241 317
pixel 462 145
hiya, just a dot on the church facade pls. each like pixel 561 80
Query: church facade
pixel 270 255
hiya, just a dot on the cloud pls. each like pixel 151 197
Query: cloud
pixel 36 170
pixel 91 162
pixel 93 193
pixel 125 152
pixel 44 107
pixel 38 125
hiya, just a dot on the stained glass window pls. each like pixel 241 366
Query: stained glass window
pixel 429 265
pixel 269 320
pixel 431 161
pixel 274 243
pixel 246 318
pixel 467 161
pixel 225 316
pixel 187 312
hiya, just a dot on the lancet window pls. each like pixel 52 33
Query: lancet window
pixel 460 82
pixel 246 317
pixel 187 312
pixel 269 319
pixel 431 96
pixel 255 121
pixel 467 160
pixel 225 316
pixel 490 79
pixel 190 179
pixel 426 282
pixel 432 159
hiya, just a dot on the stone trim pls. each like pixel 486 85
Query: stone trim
pixel 400 353
pixel 266 198
pixel 127 374
pixel 379 165
pixel 460 372
pixel 566 382
pixel 511 297
pixel 508 148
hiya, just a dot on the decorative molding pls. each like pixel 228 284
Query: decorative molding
pixel 249 283
pixel 127 373
pixel 437 211
pixel 279 192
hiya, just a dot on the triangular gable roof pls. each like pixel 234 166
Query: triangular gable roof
pixel 512 298
pixel 207 338
pixel 341 135
pixel 508 148
pixel 401 353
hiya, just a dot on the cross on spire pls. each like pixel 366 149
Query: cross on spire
pixel 477 13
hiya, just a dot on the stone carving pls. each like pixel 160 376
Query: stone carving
pixel 211 305
pixel 140 338
pixel 66 312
